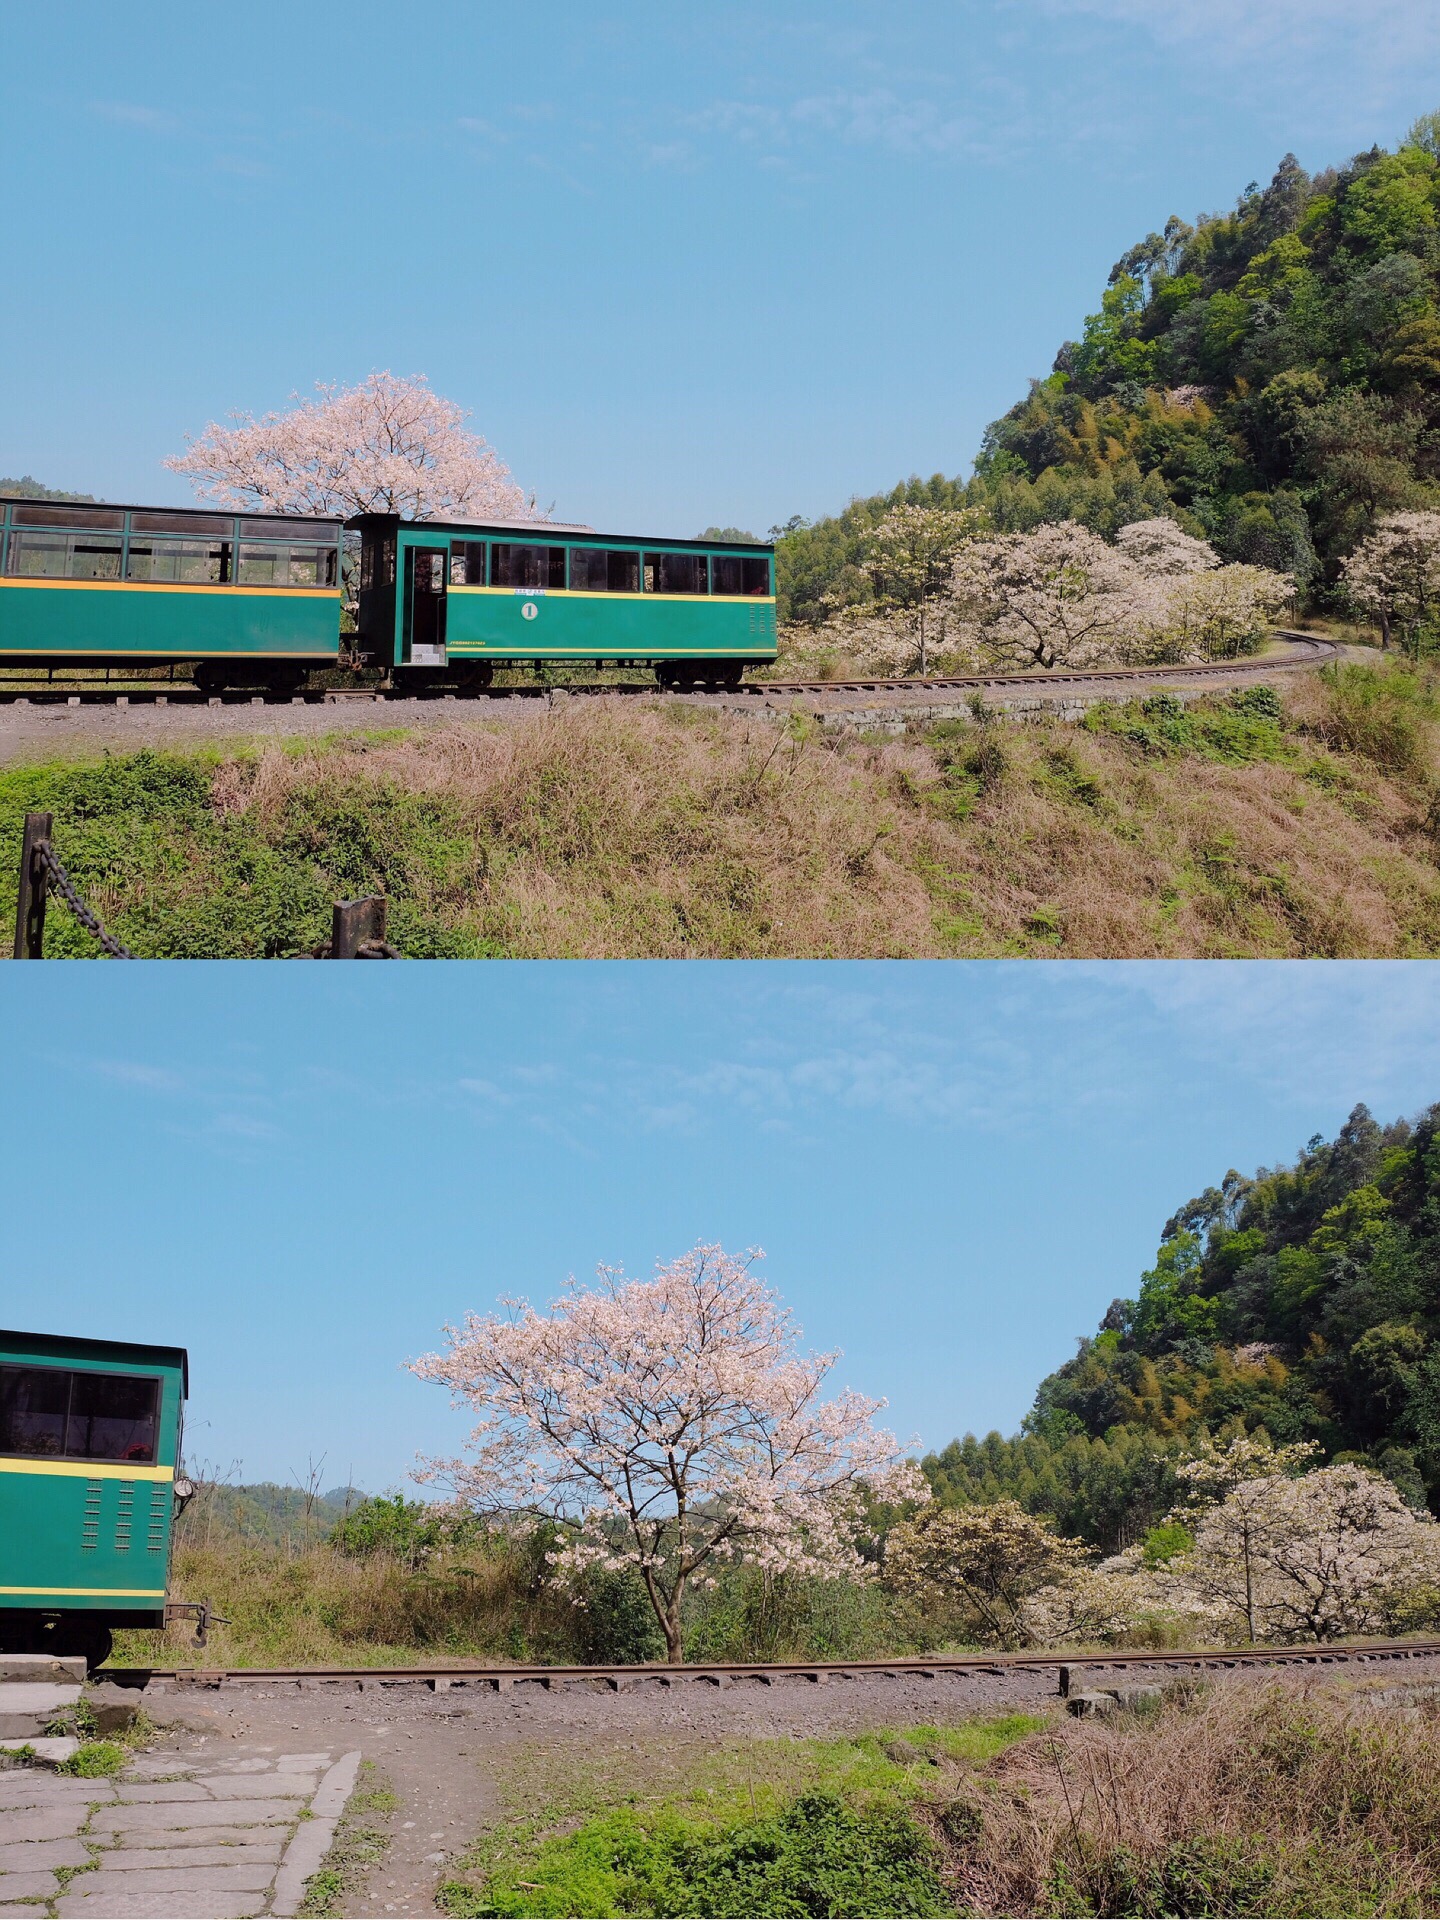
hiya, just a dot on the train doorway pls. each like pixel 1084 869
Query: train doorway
pixel 426 569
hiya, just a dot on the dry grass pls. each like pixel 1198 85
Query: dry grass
pixel 318 1608
pixel 632 829
pixel 663 831
pixel 1274 1800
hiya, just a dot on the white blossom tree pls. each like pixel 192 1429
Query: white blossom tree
pixel 1313 1557
pixel 1218 614
pixel 1393 576
pixel 989 1559
pixel 910 555
pixel 1163 549
pixel 1058 596
pixel 668 1425
pixel 387 445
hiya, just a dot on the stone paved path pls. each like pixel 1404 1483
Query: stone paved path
pixel 174 1837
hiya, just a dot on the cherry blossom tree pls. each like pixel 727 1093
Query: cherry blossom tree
pixel 1058 596
pixel 1394 577
pixel 667 1425
pixel 388 445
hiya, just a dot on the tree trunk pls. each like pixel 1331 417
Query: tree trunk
pixel 674 1651
pixel 924 656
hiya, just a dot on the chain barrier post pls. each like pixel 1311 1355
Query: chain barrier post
pixel 34 887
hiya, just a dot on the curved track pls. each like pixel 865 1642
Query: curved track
pixel 726 1672
pixel 1303 650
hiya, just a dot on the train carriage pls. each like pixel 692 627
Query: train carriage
pixel 454 600
pixel 254 599
pixel 90 1434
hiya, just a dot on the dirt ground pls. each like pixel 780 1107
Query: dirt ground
pixel 445 1755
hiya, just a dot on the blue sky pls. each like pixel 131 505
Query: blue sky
pixel 685 264
pixel 302 1173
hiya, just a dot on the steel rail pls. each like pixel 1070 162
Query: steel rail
pixel 723 1672
pixel 1309 649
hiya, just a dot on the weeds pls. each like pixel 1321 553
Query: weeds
pixel 774 1827
pixel 1257 823
pixel 359 1845
pixel 1274 1800
pixel 95 1759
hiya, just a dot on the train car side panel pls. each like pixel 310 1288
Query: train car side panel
pixel 69 619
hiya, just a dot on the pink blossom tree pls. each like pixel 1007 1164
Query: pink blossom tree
pixel 667 1426
pixel 388 445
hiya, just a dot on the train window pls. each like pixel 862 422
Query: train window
pixel 47 514
pixel 193 562
pixel 599 570
pixel 739 573
pixel 285 566
pixel 78 1416
pixel 467 563
pixel 64 556
pixel 112 1417
pixel 221 526
pixel 367 566
pixel 299 530
pixel 34 1407
pixel 533 567
pixel 676 573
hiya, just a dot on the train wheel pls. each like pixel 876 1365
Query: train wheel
pixel 473 675
pixel 65 1638
pixel 212 676
pixel 285 679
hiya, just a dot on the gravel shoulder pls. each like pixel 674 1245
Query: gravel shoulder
pixel 45 732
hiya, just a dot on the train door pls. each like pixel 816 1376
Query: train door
pixel 426 570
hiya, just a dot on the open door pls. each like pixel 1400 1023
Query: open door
pixel 426 570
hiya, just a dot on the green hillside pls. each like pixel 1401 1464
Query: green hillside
pixel 1269 376
pixel 1305 1300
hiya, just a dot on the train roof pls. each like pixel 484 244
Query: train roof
pixel 63 1346
pixel 539 528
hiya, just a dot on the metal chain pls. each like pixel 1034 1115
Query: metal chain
pixel 65 887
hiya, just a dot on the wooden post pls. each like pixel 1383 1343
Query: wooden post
pixel 356 924
pixel 34 888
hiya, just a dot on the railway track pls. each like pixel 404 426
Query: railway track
pixel 1066 1666
pixel 1307 650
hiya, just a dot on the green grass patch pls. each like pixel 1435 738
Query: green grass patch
pixel 760 1827
pixel 94 1759
pixel 1237 729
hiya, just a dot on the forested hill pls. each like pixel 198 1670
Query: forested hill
pixel 1269 376
pixel 1305 1300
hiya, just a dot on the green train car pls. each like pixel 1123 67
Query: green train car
pixel 90 1436
pixel 253 598
pixel 447 600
